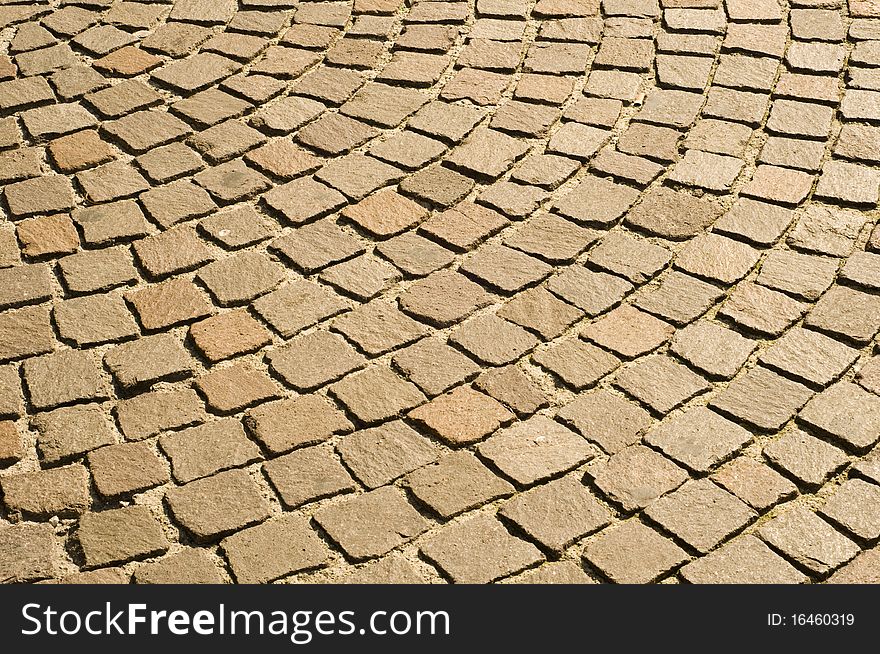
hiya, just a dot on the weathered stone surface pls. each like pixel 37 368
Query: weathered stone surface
pixel 628 332
pixel 274 549
pixel 746 560
pixel 636 476
pixel 577 363
pixel 189 566
pixel 679 298
pixel 493 340
pixel 462 416
pixel 315 359
pixel 512 387
pixel 801 275
pixel 28 552
pixel 126 468
pixel 808 540
pixel 632 553
pixel 95 320
pixel 673 214
pixel 561 572
pixel 701 514
pixel 201 451
pixel 284 425
pixel 433 366
pixel 377 394
pixel 479 550
pixel 146 415
pixel 26 332
pixel 846 412
pixel 211 507
pixel 62 378
pixel 606 419
pixel 120 535
pixel 236 387
pixel 371 524
pixel 169 303
pixel 807 459
pixel 559 291
pixel 28 284
pixel 760 310
pixel 70 431
pixel 660 383
pixel 57 491
pixel 698 438
pixel 306 475
pixel 557 513
pixel 381 454
pixel 535 450
pixel 847 313
pixel 754 483
pixel 298 305
pixel 809 356
pixel 762 398
pixel 458 482
pixel 229 334
pixel 443 298
pixel 149 360
pixel 861 570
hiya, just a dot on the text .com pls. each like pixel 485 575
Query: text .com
pixel 301 627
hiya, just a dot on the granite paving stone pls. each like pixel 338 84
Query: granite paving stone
pixel 562 291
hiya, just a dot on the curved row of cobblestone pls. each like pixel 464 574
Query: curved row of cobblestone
pixel 384 291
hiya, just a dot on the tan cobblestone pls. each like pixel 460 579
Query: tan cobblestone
pixel 604 274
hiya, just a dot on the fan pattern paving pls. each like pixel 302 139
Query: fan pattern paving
pixel 385 291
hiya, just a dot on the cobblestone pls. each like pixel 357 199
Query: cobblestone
pixel 505 261
pixel 557 513
pixel 762 398
pixel 146 415
pixel 660 383
pixel 833 412
pixel 632 553
pixel 698 438
pixel 514 388
pixel 535 450
pixel 746 560
pixel 28 552
pixel 636 476
pixel 120 535
pixel 203 450
pixel 54 492
pixel 462 416
pixel 126 468
pixel 149 360
pixel 284 425
pixel 861 570
pixel 754 483
pixel 381 454
pixel 274 549
pixel 69 432
pixel 63 378
pixel 371 524
pixel 211 507
pixel 189 566
pixel 805 458
pixel 808 540
pixel 854 506
pixel 479 550
pixel 456 483
pixel 700 514
pixel 307 475
pixel 628 332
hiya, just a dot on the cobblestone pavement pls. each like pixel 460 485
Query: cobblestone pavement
pixel 509 290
